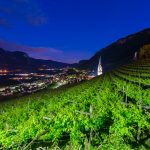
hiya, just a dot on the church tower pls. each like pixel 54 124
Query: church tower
pixel 135 56
pixel 99 68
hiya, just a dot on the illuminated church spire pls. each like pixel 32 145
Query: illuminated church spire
pixel 99 68
pixel 135 56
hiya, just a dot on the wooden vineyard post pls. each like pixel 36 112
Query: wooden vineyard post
pixel 139 81
pixel 123 92
pixel 91 132
pixel 138 134
pixel 126 100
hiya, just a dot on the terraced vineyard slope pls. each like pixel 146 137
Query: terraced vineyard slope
pixel 111 111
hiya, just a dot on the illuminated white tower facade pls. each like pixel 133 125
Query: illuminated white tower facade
pixel 135 56
pixel 99 68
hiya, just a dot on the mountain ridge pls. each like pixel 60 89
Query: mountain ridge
pixel 114 55
pixel 21 60
pixel 119 52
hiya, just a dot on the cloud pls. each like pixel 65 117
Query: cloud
pixel 28 11
pixel 47 53
pixel 3 21
pixel 36 20
pixel 5 10
pixel 22 1
pixel 40 52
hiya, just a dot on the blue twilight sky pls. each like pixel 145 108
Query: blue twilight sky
pixel 68 30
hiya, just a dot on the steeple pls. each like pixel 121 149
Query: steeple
pixel 99 68
pixel 135 56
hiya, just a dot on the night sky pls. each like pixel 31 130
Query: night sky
pixel 68 30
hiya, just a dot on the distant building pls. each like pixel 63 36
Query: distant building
pixel 92 74
pixel 99 68
pixel 135 56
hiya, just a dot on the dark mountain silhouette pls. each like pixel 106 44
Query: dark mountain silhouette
pixel 20 60
pixel 119 52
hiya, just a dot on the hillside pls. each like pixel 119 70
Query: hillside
pixel 21 60
pixel 121 52
pixel 111 111
pixel 118 53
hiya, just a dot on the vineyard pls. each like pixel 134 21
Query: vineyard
pixel 109 112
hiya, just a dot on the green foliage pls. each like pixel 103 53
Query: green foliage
pixel 108 112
